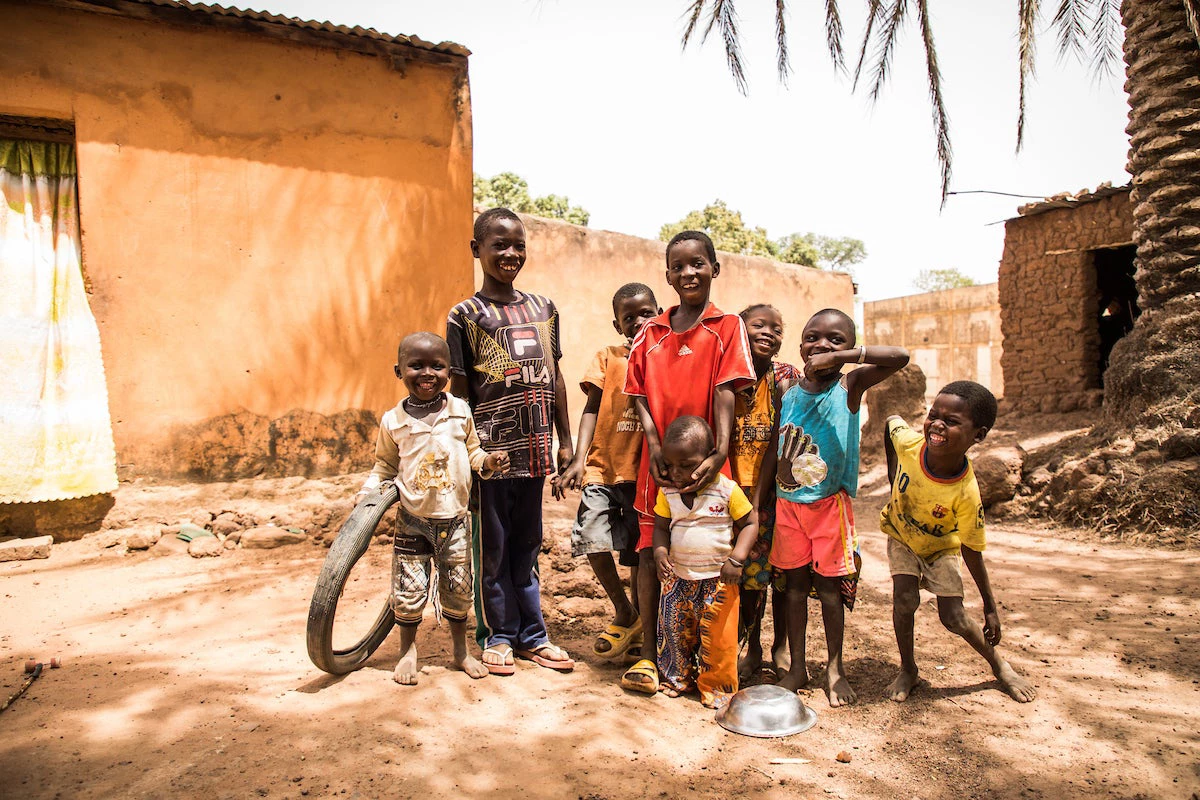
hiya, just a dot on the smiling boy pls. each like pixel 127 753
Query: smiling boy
pixel 934 515
pixel 504 354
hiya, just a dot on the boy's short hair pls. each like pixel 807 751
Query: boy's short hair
pixel 487 217
pixel 748 310
pixel 699 236
pixel 419 336
pixel 631 290
pixel 842 315
pixel 981 403
pixel 690 428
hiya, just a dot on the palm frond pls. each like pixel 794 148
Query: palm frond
pixel 1070 21
pixel 1192 9
pixel 874 14
pixel 941 122
pixel 694 12
pixel 833 34
pixel 724 16
pixel 782 66
pixel 1027 11
pixel 888 36
pixel 1105 37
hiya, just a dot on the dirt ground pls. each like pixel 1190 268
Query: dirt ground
pixel 189 677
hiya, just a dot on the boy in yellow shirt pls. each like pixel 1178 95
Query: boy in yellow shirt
pixel 934 515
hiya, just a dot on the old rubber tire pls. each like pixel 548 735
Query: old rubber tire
pixel 351 542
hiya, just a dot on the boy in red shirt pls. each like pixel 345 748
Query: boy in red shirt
pixel 688 361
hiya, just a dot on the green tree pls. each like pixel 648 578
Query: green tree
pixel 510 190
pixel 837 253
pixel 727 230
pixel 1153 378
pixel 935 280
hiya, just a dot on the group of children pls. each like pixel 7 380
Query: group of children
pixel 716 473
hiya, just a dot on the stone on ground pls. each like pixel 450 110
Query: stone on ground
pixel 998 471
pixel 26 549
pixel 265 537
pixel 205 546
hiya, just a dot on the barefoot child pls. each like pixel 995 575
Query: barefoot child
pixel 605 466
pixel 429 446
pixel 687 361
pixel 700 567
pixel 934 515
pixel 756 413
pixel 817 474
pixel 504 353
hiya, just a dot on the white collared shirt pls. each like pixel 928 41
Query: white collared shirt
pixel 430 459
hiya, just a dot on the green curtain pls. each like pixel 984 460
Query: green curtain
pixel 55 432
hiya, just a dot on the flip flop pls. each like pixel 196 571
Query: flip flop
pixel 642 669
pixel 505 652
pixel 619 637
pixel 535 655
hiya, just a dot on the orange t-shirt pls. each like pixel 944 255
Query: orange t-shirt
pixel 617 444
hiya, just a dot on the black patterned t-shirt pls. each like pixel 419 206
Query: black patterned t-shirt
pixel 509 354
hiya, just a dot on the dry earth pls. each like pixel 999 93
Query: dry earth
pixel 188 677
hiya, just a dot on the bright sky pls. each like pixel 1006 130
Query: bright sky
pixel 596 101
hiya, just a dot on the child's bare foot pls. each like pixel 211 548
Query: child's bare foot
pixel 781 657
pixel 838 690
pixel 795 679
pixel 751 663
pixel 406 671
pixel 669 691
pixel 904 684
pixel 470 665
pixel 1017 687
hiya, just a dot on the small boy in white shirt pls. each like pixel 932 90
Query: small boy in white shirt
pixel 428 445
pixel 700 567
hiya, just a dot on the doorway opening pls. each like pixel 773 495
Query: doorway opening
pixel 1116 299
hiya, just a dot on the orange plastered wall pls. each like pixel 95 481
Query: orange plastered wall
pixel 261 220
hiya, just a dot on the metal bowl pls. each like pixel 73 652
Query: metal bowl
pixel 767 712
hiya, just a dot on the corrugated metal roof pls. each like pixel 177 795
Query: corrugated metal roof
pixel 335 31
pixel 1068 200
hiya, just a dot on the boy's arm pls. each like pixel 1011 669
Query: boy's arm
pixel 991 616
pixel 747 528
pixel 387 462
pixel 562 421
pixel 658 470
pixel 881 361
pixel 459 352
pixel 458 385
pixel 572 477
pixel 769 470
pixel 662 546
pixel 723 400
pixel 889 450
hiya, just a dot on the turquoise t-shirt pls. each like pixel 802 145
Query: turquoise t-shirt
pixel 822 433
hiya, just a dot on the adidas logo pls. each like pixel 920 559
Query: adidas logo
pixel 685 351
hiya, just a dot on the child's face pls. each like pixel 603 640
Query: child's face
pixel 632 313
pixel 825 333
pixel 425 368
pixel 949 428
pixel 765 329
pixel 682 457
pixel 501 252
pixel 690 273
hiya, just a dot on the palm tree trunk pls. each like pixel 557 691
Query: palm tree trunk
pixel 1154 377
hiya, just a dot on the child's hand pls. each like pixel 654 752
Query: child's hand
pixel 497 463
pixel 658 468
pixel 704 473
pixel 731 573
pixel 572 476
pixel 820 365
pixel 663 561
pixel 991 627
pixel 566 454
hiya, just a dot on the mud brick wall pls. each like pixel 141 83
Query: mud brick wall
pixel 1048 303
pixel 952 335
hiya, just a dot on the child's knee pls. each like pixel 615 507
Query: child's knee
pixel 829 590
pixel 906 601
pixel 953 615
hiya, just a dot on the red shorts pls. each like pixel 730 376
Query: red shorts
pixel 820 533
pixel 645 531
